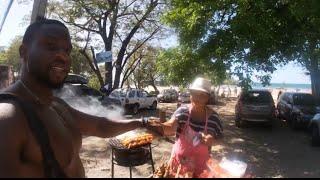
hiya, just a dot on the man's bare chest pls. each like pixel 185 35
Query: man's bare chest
pixel 65 139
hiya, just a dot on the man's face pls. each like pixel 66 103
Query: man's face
pixel 48 55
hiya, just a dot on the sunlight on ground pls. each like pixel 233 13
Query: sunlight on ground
pixel 277 176
pixel 236 140
pixel 238 150
pixel 217 148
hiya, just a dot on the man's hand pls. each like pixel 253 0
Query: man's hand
pixel 207 139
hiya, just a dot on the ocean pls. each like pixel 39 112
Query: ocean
pixel 282 85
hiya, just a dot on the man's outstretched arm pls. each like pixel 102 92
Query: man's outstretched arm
pixel 90 125
pixel 102 127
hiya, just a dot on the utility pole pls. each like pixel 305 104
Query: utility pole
pixel 38 10
pixel 5 14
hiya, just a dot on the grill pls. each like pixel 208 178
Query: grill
pixel 123 156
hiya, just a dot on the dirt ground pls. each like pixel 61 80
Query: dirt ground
pixel 269 152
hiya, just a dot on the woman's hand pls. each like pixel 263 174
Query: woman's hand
pixel 207 139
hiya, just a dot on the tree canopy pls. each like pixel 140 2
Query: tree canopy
pixel 250 34
pixel 120 26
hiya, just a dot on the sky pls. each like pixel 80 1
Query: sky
pixel 14 26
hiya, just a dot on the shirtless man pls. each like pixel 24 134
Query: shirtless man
pixel 46 62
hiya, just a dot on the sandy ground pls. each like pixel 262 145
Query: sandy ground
pixel 276 152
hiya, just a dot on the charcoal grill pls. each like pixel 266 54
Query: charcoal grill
pixel 123 156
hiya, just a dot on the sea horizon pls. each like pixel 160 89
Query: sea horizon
pixel 283 85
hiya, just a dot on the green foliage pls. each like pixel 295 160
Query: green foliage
pixel 2 57
pixel 146 72
pixel 11 55
pixel 79 64
pixel 94 82
pixel 180 66
pixel 252 35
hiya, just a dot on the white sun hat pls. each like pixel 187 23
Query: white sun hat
pixel 201 84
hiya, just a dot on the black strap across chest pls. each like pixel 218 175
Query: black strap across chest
pixel 52 169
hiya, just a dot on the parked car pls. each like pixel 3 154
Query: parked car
pixel 168 95
pixel 296 108
pixel 314 127
pixel 134 99
pixel 76 87
pixel 184 97
pixel 255 106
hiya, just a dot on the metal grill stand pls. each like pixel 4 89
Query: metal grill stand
pixel 129 157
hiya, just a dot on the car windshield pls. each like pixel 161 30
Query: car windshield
pixel 119 93
pixel 257 97
pixel 304 100
pixel 185 94
pixel 168 91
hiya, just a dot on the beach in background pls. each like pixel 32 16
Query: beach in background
pixel 234 91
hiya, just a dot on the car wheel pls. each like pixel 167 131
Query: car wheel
pixel 154 105
pixel 135 109
pixel 315 136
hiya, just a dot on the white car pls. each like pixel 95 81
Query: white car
pixel 168 95
pixel 134 99
pixel 314 127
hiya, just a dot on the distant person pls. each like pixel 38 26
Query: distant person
pixel 41 135
pixel 229 92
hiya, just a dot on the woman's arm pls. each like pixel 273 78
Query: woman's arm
pixel 170 127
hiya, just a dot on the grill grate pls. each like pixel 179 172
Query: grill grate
pixel 116 143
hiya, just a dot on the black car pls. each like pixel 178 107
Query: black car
pixel 296 108
pixel 76 87
pixel 255 106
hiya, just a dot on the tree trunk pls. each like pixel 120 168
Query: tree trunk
pixel 154 86
pixel 315 84
pixel 91 64
pixel 315 79
pixel 108 76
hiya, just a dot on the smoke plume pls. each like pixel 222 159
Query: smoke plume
pixel 72 95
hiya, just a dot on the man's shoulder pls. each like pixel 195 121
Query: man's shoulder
pixel 12 120
pixel 10 110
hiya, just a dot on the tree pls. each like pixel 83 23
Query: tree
pixel 143 67
pixel 79 64
pixel 180 66
pixel 251 34
pixel 11 55
pixel 120 26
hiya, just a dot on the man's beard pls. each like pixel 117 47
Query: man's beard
pixel 44 78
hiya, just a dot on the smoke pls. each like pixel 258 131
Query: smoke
pixel 74 95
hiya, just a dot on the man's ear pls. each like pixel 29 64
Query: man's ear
pixel 23 51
